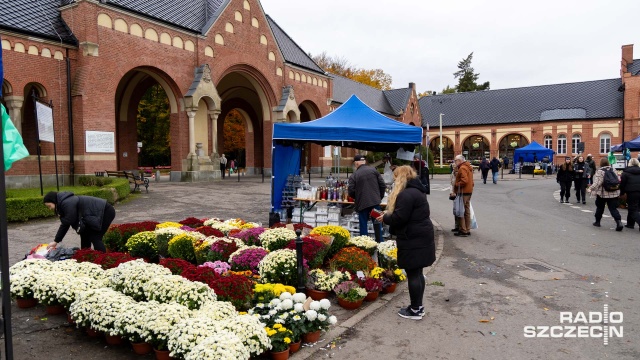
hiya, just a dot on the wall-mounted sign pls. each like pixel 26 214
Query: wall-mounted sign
pixel 100 141
pixel 45 122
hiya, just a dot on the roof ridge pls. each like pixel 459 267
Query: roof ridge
pixel 271 21
pixel 357 82
pixel 518 88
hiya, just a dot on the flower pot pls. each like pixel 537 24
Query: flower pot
pixel 294 347
pixel 70 319
pixel 55 309
pixel 142 348
pixel 371 296
pixel 26 303
pixel 311 337
pixel 390 289
pixel 92 332
pixel 113 339
pixel 317 294
pixel 162 354
pixel 350 305
pixel 280 355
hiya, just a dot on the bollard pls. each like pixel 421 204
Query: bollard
pixel 157 175
pixel 262 170
pixel 238 175
pixel 301 285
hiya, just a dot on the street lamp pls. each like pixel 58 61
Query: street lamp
pixel 440 146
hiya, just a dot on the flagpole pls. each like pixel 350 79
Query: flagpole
pixel 4 263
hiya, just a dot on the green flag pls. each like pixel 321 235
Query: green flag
pixel 12 144
pixel 612 158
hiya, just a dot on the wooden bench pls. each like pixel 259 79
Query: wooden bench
pixel 135 180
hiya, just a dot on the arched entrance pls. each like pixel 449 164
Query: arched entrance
pixel 510 143
pixel 447 149
pixel 242 91
pixel 147 115
pixel 475 147
pixel 310 152
pixel 28 127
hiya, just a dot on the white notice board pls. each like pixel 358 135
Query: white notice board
pixel 45 122
pixel 405 155
pixel 100 141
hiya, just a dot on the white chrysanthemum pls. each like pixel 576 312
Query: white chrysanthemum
pixel 298 307
pixel 333 320
pixel 221 345
pixel 285 295
pixel 299 298
pixel 322 317
pixel 287 304
pixel 311 315
pixel 325 304
pixel 274 302
pixel 314 305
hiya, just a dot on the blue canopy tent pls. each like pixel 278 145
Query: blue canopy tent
pixel 531 150
pixel 354 124
pixel 632 145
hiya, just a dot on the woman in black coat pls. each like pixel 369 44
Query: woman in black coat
pixel 408 216
pixel 89 216
pixel 630 185
pixel 581 169
pixel 564 177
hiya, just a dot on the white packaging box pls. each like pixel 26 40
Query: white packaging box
pixel 336 223
pixel 322 210
pixel 321 223
pixel 321 217
pixel 333 216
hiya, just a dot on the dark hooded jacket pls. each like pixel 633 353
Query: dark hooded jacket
pixel 367 187
pixel 413 228
pixel 630 181
pixel 71 208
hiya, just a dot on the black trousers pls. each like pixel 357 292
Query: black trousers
pixel 223 168
pixel 633 216
pixel 416 283
pixel 565 190
pixel 611 203
pixel 95 237
pixel 484 175
pixel 581 189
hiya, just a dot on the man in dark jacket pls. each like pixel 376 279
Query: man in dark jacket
pixel 495 167
pixel 367 187
pixel 630 186
pixel 88 216
pixel 592 168
pixel 484 168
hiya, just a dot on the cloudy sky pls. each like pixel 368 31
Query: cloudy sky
pixel 515 43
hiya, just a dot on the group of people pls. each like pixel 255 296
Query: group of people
pixel 580 173
pixel 223 165
pixel 493 165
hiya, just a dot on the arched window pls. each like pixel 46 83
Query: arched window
pixel 605 143
pixel 510 143
pixel 475 148
pixel 548 142
pixel 562 144
pixel 575 140
pixel 447 149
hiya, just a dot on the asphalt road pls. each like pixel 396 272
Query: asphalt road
pixel 530 259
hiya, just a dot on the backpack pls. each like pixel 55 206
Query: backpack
pixel 611 182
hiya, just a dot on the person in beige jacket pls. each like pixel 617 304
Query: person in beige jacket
pixel 604 197
pixel 463 186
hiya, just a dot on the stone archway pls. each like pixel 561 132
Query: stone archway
pixel 475 147
pixel 311 153
pixel 509 143
pixel 130 91
pixel 447 149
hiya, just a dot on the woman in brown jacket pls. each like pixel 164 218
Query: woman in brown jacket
pixel 464 187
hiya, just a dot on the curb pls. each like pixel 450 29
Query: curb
pixel 306 352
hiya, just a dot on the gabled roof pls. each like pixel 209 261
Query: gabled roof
pixel 343 88
pixel 290 50
pixel 597 99
pixel 193 15
pixel 39 18
pixel 634 67
pixel 398 99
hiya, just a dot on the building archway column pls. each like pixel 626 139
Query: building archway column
pixel 14 107
pixel 215 152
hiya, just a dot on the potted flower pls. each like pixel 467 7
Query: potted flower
pixel 143 245
pixel 219 345
pixel 388 254
pixel 340 237
pixel 366 243
pixel 316 319
pixel 390 278
pixel 352 259
pixel 187 333
pixel 275 239
pixel 221 248
pixel 161 323
pixel 320 283
pixel 279 266
pixel 250 236
pixel 131 323
pixel 280 338
pixel 45 290
pixel 247 258
pixel 350 294
pixel 24 277
pixel 373 287
pixel 250 331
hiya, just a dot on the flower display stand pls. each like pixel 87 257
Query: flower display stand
pixel 113 339
pixel 55 309
pixel 26 303
pixel 295 347
pixel 311 337
pixel 390 289
pixel 141 348
pixel 280 355
pixel 350 305
pixel 317 294
pixel 162 354
pixel 371 296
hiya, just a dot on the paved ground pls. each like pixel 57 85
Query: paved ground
pixel 483 276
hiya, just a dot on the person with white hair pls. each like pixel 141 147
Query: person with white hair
pixel 630 187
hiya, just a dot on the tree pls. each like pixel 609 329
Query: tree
pixel 153 124
pixel 467 77
pixel 234 136
pixel 426 93
pixel 449 90
pixel 376 78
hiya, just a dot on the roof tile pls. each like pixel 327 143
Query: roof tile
pixel 290 50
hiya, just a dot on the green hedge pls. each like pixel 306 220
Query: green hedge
pixel 23 208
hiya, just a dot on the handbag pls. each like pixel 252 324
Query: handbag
pixel 474 222
pixel 458 205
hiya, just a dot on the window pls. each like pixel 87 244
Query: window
pixel 605 143
pixel 548 142
pixel 575 140
pixel 562 144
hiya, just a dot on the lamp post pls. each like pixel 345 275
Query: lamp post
pixel 440 146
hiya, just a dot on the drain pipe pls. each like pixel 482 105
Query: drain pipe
pixel 70 118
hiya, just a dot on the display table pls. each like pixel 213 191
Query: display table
pixel 312 202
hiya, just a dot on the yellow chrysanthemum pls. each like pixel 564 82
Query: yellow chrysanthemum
pixel 393 253
pixel 277 326
pixel 168 224
pixel 287 340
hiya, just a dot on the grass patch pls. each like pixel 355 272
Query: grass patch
pixel 436 283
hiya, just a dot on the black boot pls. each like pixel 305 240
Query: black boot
pixel 597 223
pixel 619 226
